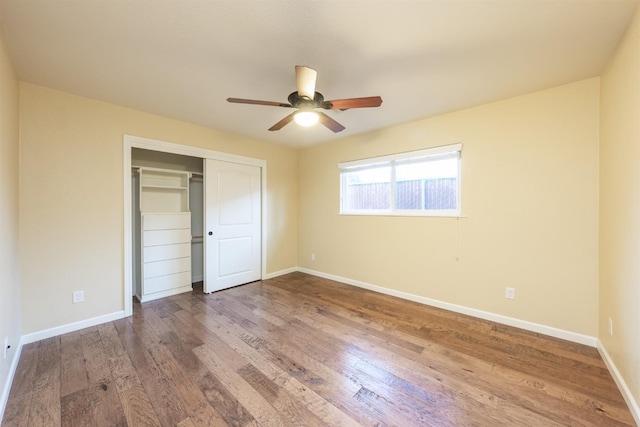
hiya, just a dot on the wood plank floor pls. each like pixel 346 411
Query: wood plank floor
pixel 304 351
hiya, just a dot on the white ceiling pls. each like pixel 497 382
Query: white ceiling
pixel 183 58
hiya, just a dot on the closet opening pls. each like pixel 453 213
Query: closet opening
pixel 167 223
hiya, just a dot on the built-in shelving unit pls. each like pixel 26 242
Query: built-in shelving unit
pixel 163 191
pixel 165 222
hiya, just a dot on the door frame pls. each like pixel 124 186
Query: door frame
pixel 130 142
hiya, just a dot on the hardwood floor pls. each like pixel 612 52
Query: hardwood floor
pixel 304 351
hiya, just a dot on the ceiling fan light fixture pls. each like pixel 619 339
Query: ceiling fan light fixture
pixel 306 118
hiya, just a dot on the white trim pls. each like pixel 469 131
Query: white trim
pixel 130 142
pixel 622 385
pixel 71 327
pixel 189 150
pixel 387 212
pixel 164 294
pixel 505 320
pixel 281 273
pixel 6 389
pixel 127 281
pixel 371 161
pixel 44 334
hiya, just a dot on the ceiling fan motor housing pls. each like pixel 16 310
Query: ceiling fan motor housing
pixel 303 102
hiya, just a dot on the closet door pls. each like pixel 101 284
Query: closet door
pixel 232 225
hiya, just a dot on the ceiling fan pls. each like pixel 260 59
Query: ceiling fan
pixel 306 100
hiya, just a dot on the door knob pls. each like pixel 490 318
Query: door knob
pixel 211 233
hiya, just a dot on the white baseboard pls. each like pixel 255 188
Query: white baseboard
pixel 71 327
pixel 164 294
pixel 622 385
pixel 48 333
pixel 280 273
pixel 498 318
pixel 7 385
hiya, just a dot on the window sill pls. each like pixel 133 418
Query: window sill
pixel 405 214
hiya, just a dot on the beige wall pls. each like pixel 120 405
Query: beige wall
pixel 529 197
pixel 71 200
pixel 9 249
pixel 620 208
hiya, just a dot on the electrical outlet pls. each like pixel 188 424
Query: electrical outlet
pixel 78 296
pixel 6 346
pixel 510 293
pixel 313 257
pixel 610 326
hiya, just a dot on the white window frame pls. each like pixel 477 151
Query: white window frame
pixel 437 153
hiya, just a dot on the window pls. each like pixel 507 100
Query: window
pixel 425 182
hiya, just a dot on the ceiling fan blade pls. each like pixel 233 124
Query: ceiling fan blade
pixel 329 122
pixel 256 102
pixel 345 104
pixel 282 123
pixel 306 81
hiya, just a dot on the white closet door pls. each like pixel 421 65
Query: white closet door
pixel 232 225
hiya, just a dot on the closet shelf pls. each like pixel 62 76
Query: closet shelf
pixel 162 212
pixel 164 187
